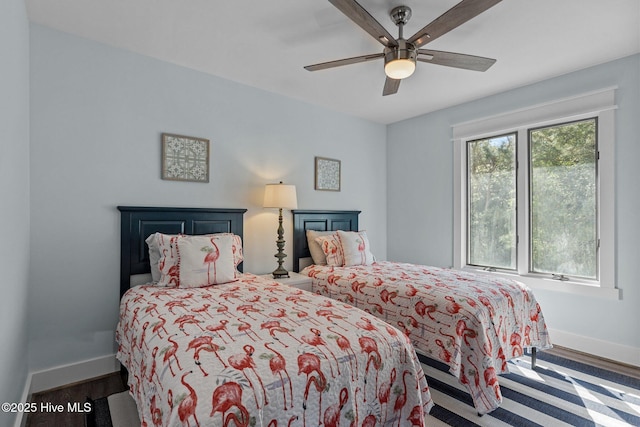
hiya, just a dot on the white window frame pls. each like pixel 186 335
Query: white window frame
pixel 600 104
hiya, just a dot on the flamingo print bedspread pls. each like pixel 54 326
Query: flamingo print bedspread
pixel 258 353
pixel 474 323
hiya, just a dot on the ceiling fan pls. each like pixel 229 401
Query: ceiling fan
pixel 400 55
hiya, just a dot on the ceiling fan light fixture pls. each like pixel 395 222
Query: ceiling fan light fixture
pixel 399 68
pixel 400 61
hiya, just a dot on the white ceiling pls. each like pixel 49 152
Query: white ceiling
pixel 265 44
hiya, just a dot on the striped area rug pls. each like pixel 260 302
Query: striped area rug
pixel 559 392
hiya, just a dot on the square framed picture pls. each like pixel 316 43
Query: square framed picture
pixel 185 158
pixel 327 174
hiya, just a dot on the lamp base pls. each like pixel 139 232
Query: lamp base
pixel 280 273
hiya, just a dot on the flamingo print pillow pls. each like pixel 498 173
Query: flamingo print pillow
pixel 195 261
pixel 317 254
pixel 206 260
pixel 332 249
pixel 355 248
pixel 168 267
pixel 162 248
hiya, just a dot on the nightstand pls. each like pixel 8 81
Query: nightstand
pixel 295 279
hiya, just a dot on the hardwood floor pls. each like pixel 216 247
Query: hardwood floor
pixel 109 384
pixel 74 394
pixel 628 370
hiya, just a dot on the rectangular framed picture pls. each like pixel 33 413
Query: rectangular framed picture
pixel 327 174
pixel 185 158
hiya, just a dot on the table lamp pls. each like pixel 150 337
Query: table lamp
pixel 280 196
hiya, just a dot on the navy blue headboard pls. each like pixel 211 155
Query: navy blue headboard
pixel 137 223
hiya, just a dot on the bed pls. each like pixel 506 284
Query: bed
pixel 250 351
pixel 474 323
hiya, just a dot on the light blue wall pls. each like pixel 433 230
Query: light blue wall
pixel 14 199
pixel 96 118
pixel 420 194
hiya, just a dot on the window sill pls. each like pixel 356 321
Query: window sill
pixel 575 288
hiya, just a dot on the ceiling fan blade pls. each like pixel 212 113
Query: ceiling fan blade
pixel 457 60
pixel 360 16
pixel 454 17
pixel 390 86
pixel 341 62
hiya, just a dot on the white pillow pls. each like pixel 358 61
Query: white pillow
pixel 332 249
pixel 355 248
pixel 206 260
pixel 318 256
pixel 154 257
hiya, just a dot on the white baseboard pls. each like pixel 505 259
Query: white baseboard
pixel 605 349
pixel 21 419
pixel 67 374
pixel 73 372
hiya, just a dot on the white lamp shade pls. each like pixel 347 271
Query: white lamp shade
pixel 280 196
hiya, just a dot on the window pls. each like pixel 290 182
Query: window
pixel 535 195
pixel 491 202
pixel 563 202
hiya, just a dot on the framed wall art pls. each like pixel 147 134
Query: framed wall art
pixel 185 158
pixel 327 174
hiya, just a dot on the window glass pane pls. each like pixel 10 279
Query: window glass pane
pixel 563 199
pixel 491 202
